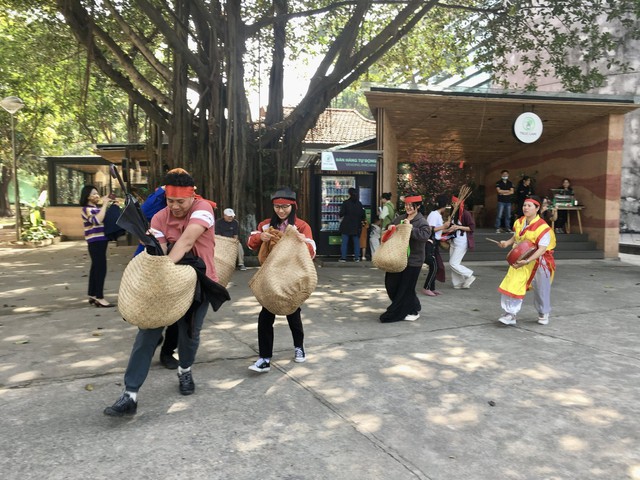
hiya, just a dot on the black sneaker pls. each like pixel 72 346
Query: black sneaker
pixel 261 366
pixel 187 387
pixel 125 405
pixel 168 361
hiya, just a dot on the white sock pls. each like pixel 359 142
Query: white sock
pixel 133 395
pixel 182 370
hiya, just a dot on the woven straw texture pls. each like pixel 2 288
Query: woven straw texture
pixel 225 256
pixel 287 277
pixel 155 292
pixel 391 256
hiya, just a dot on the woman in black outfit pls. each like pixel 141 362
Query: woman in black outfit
pixel 562 214
pixel 351 214
pixel 523 191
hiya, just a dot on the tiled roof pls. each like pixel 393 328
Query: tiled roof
pixel 337 126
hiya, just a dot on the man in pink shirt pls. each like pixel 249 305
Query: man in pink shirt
pixel 184 226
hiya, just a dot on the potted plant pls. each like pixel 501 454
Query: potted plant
pixel 42 234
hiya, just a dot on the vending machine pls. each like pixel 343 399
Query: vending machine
pixel 332 190
pixel 331 175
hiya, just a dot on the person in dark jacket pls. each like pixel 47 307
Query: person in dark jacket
pixel 567 189
pixel 401 286
pixel 523 191
pixel 351 216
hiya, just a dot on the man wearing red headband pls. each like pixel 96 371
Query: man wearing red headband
pixel 535 272
pixel 284 213
pixel 185 224
pixel 401 286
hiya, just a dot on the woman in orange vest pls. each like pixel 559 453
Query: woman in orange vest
pixel 535 272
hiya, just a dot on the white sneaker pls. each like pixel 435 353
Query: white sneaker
pixel 457 287
pixel 412 318
pixel 242 267
pixel 507 319
pixel 261 366
pixel 468 281
pixel 299 355
pixel 543 319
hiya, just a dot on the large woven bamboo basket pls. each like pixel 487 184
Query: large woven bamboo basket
pixel 225 257
pixel 287 277
pixel 391 256
pixel 154 291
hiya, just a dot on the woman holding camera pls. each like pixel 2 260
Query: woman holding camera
pixel 93 218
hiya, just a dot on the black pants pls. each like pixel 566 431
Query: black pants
pixel 170 340
pixel 561 221
pixel 432 263
pixel 401 288
pixel 98 270
pixel 265 331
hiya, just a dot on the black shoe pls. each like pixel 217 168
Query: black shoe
pixel 187 387
pixel 168 361
pixel 125 405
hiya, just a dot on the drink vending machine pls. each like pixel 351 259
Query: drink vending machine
pixel 332 191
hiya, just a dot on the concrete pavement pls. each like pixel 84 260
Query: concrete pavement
pixel 454 395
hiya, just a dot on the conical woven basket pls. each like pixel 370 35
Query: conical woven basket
pixel 288 276
pixel 154 291
pixel 225 256
pixel 391 256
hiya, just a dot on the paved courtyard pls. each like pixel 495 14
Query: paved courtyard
pixel 452 396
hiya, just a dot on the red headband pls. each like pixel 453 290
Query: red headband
pixel 179 192
pixel 284 201
pixel 532 201
pixel 414 199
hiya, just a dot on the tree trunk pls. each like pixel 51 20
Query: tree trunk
pixel 181 128
pixel 236 166
pixel 5 183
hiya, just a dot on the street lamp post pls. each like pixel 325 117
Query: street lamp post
pixel 12 105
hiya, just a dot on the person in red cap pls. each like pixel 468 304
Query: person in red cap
pixel 284 208
pixel 401 286
pixel 461 234
pixel 186 224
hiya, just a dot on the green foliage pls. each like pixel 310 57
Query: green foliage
pixel 37 233
pixel 37 228
pixel 525 41
pixel 67 106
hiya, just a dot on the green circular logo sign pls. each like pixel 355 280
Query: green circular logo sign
pixel 527 127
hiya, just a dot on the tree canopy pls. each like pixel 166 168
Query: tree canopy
pixel 164 53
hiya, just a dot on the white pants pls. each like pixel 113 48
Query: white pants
pixel 541 295
pixel 458 271
pixel 374 243
pixel 240 254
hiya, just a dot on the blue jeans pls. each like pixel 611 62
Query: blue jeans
pixel 147 340
pixel 345 246
pixel 504 209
